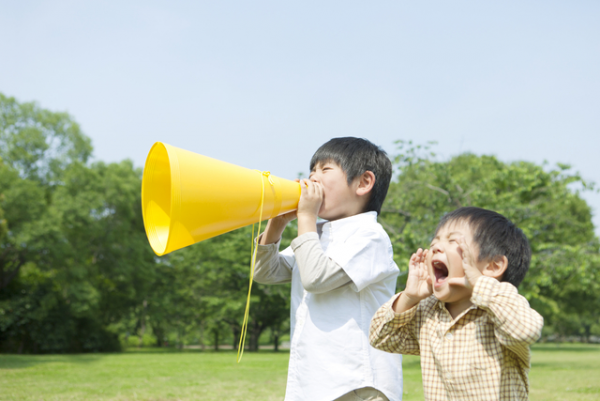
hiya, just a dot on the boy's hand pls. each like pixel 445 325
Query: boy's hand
pixel 418 284
pixel 284 219
pixel 472 273
pixel 311 198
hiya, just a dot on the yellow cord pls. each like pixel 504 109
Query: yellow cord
pixel 252 264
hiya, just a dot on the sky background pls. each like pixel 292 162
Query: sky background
pixel 263 84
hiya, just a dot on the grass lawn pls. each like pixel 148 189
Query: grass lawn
pixel 559 372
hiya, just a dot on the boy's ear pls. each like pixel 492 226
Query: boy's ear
pixel 365 183
pixel 496 268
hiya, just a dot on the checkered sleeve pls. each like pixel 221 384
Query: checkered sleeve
pixel 516 325
pixel 395 332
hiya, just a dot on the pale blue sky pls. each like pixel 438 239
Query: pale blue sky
pixel 263 83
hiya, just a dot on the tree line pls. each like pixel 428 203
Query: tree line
pixel 77 273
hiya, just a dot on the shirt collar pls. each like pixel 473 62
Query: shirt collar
pixel 362 218
pixel 442 306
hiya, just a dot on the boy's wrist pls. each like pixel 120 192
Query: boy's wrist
pixel 404 302
pixel 483 291
pixel 272 232
pixel 306 223
pixel 412 299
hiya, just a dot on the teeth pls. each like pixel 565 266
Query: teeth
pixel 439 265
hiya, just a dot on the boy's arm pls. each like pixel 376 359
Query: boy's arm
pixel 394 328
pixel 272 266
pixel 275 228
pixel 395 332
pixel 318 272
pixel 517 326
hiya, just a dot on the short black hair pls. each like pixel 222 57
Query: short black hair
pixel 495 235
pixel 356 156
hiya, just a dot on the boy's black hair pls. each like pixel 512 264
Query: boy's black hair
pixel 495 235
pixel 355 156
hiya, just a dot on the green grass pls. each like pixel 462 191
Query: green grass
pixel 559 372
pixel 565 372
pixel 144 376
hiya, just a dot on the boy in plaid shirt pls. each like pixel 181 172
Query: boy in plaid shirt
pixel 461 310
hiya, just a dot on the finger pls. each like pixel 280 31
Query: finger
pixel 423 273
pixel 423 265
pixel 303 184
pixel 413 260
pixel 419 253
pixel 424 255
pixel 466 251
pixel 416 257
pixel 310 190
pixel 458 281
pixel 426 260
pixel 318 189
pixel 462 244
pixel 302 188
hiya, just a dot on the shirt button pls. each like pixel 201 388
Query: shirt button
pixel 448 336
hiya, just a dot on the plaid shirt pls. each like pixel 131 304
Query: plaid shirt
pixel 483 354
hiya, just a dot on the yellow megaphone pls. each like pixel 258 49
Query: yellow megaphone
pixel 187 197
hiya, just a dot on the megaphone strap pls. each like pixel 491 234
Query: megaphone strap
pixel 253 257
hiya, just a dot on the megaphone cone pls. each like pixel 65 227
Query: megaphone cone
pixel 187 197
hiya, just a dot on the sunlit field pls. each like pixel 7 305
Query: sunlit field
pixel 559 372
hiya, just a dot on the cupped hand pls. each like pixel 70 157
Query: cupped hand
pixel 418 284
pixel 311 198
pixel 472 273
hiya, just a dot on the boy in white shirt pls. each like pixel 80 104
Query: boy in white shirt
pixel 341 272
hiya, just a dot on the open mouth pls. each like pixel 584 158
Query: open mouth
pixel 440 270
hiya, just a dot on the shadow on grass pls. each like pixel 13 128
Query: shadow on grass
pixel 565 347
pixel 13 361
pixel 174 350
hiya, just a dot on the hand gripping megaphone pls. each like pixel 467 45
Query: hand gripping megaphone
pixel 187 197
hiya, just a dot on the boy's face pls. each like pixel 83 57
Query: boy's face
pixel 339 199
pixel 444 261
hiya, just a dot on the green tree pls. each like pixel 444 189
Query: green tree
pixel 36 145
pixel 74 260
pixel 39 143
pixel 208 285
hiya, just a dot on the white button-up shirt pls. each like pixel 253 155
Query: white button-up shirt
pixel 330 353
